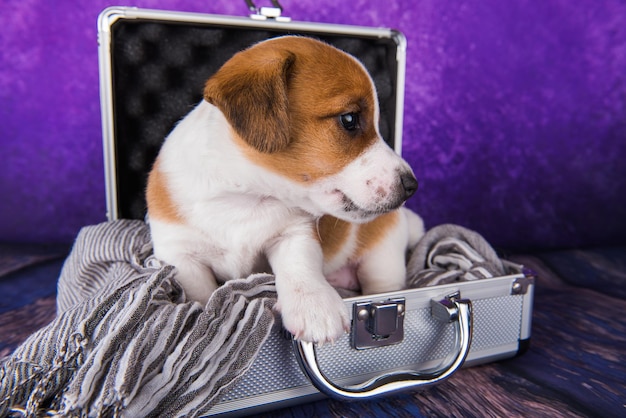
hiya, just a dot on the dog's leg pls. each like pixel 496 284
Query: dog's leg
pixel 174 245
pixel 310 308
pixel 383 269
pixel 196 279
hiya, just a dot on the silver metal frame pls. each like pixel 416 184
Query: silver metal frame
pixel 321 365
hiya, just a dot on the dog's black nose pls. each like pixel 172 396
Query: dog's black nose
pixel 409 184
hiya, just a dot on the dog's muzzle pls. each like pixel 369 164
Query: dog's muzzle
pixel 405 187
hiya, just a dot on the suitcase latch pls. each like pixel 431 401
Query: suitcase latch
pixel 377 324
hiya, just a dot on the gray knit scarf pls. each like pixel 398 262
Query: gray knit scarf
pixel 125 343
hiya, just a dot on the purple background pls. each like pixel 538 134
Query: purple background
pixel 515 113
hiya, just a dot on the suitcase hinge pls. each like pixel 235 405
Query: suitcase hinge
pixel 521 284
pixel 377 324
pixel 446 310
pixel 264 13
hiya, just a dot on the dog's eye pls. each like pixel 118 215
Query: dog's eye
pixel 350 121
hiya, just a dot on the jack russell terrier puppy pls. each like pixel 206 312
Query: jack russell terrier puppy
pixel 281 168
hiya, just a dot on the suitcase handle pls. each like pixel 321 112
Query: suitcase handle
pixel 392 382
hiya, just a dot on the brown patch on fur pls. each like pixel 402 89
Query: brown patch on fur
pixel 251 90
pixel 158 197
pixel 371 233
pixel 332 234
pixel 283 99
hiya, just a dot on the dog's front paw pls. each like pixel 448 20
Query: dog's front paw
pixel 316 315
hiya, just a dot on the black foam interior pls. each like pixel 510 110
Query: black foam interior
pixel 159 71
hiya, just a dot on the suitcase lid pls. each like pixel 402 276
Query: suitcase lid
pixel 153 65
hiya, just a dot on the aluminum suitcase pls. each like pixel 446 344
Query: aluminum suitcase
pixel 153 65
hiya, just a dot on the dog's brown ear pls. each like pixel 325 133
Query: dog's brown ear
pixel 251 91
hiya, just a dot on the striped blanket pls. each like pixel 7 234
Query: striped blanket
pixel 450 253
pixel 125 341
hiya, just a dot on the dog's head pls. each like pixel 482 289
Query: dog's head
pixel 309 112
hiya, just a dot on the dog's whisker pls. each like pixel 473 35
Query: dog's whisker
pixel 317 229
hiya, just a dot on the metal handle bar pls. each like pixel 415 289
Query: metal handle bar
pixel 391 382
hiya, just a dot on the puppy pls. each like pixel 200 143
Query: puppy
pixel 281 168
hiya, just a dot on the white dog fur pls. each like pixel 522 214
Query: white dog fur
pixel 281 168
